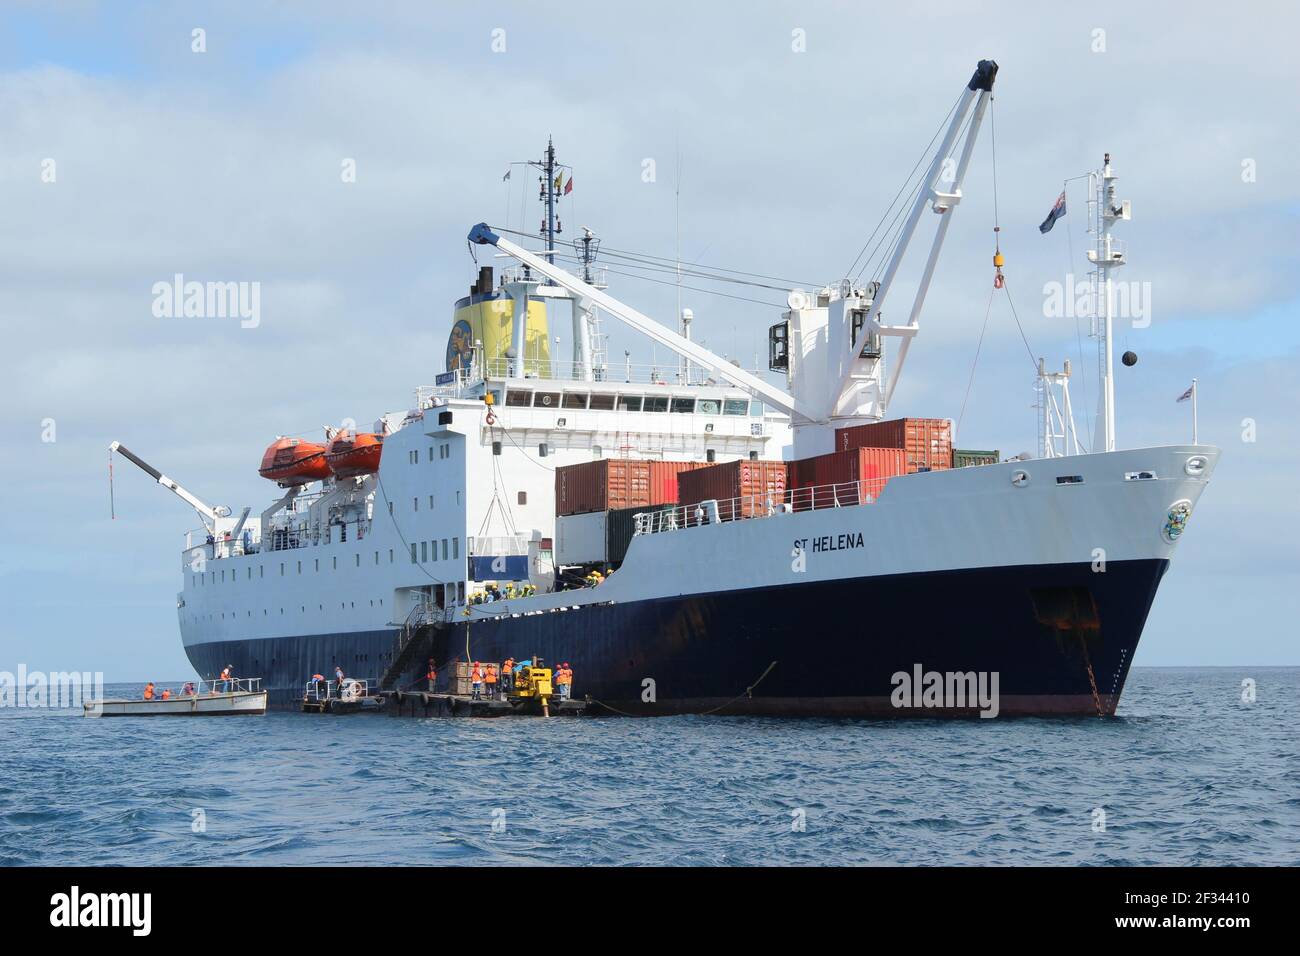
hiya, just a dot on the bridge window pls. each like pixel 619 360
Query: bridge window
pixel 656 403
pixel 629 403
pixel 601 403
pixel 519 398
pixel 708 406
pixel 575 400
pixel 735 406
pixel 684 405
pixel 546 400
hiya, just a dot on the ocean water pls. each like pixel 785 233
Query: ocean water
pixel 1187 774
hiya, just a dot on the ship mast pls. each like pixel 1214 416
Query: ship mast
pixel 1107 254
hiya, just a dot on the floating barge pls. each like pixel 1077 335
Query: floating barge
pixel 221 698
pixel 432 704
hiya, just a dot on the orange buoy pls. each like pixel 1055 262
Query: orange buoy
pixel 352 454
pixel 292 461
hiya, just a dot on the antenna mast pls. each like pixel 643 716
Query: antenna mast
pixel 1108 254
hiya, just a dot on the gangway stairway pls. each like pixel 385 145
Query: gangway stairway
pixel 410 639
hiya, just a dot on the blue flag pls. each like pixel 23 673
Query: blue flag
pixel 1058 210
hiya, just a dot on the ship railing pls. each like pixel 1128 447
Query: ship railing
pixel 350 688
pixel 230 685
pixel 842 494
pixel 451 384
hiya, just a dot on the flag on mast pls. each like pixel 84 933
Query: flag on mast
pixel 1058 210
pixel 1186 395
pixel 506 176
pixel 568 187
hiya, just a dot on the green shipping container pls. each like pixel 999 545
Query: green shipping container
pixel 965 457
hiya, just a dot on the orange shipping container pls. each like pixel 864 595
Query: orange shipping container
pixel 753 483
pixel 927 441
pixel 843 477
pixel 610 483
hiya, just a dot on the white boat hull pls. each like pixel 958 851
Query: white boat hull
pixel 250 703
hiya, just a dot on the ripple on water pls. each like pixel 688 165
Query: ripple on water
pixel 292 789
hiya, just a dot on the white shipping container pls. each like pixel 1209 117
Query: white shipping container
pixel 580 539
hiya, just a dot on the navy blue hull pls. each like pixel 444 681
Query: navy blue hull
pixel 1060 638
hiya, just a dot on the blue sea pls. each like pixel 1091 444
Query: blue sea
pixel 1188 773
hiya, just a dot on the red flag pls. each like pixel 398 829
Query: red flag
pixel 568 187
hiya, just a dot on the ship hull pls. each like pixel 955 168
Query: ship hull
pixel 1043 640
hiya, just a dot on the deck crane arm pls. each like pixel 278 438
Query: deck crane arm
pixel 973 103
pixel 207 512
pixel 482 234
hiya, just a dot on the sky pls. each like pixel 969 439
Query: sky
pixel 133 149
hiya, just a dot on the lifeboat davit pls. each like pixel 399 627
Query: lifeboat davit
pixel 292 461
pixel 351 454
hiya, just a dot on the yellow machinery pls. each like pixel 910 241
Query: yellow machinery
pixel 533 682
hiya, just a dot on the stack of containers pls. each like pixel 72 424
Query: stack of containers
pixel 608 484
pixel 742 488
pixel 843 477
pixel 927 441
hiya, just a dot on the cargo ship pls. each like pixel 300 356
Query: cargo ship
pixel 691 537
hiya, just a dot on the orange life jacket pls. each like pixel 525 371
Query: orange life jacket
pixel 565 676
pixel 476 675
pixel 491 674
pixel 166 695
pixel 432 675
pixel 225 673
pixel 148 691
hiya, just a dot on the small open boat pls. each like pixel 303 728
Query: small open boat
pixel 216 698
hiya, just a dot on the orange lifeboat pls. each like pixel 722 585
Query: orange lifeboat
pixel 292 461
pixel 351 454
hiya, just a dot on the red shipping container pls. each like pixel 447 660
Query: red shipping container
pixel 610 483
pixel 843 477
pixel 927 441
pixel 742 488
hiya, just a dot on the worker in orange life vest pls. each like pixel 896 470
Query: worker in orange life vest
pixel 490 678
pixel 476 681
pixel 166 694
pixel 564 680
pixel 431 675
pixel 148 691
pixel 226 673
pixel 508 675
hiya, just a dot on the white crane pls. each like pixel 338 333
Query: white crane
pixel 209 513
pixel 482 234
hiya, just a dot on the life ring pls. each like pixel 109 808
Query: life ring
pixel 350 690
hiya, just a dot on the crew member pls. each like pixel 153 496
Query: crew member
pixel 227 673
pixel 490 678
pixel 166 694
pixel 476 681
pixel 508 675
pixel 148 691
pixel 338 674
pixel 431 675
pixel 188 689
pixel 563 680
